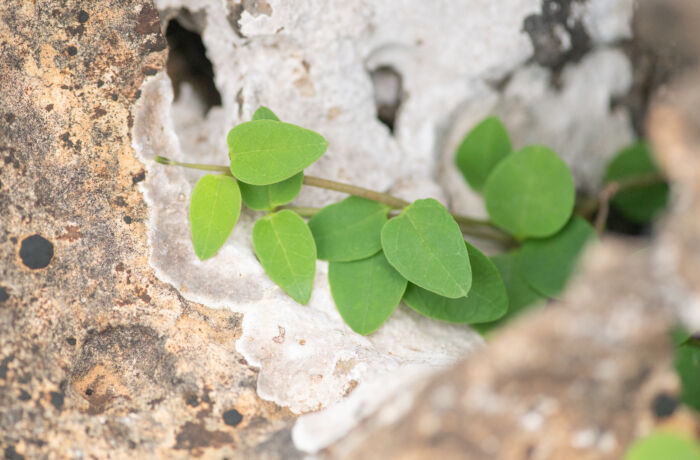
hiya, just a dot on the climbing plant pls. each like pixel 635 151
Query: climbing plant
pixel 382 250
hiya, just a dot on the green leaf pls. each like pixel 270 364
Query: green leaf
pixel 521 296
pixel 530 193
pixel 425 245
pixel 687 364
pixel 268 197
pixel 214 209
pixel 639 204
pixel 285 247
pixel 547 263
pixel 662 445
pixel 349 230
pixel 485 145
pixel 486 301
pixel 264 152
pixel 366 292
pixel 263 113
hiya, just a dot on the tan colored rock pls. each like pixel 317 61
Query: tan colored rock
pixel 98 358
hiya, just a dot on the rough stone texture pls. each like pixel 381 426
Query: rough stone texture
pixel 430 70
pixel 585 377
pixel 98 358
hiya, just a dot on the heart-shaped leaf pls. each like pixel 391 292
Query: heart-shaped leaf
pixel 520 295
pixel 214 209
pixel 349 230
pixel 639 204
pixel 366 291
pixel 530 193
pixel 664 445
pixel 263 113
pixel 264 152
pixel 481 150
pixel 547 263
pixel 268 197
pixel 425 245
pixel 486 301
pixel 285 247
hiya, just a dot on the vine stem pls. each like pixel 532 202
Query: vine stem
pixel 600 203
pixel 465 222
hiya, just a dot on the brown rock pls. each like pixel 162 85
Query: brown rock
pixel 97 356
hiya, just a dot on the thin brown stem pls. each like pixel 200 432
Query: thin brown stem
pixel 589 207
pixel 391 201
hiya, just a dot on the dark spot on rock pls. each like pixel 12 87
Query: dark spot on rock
pixel 120 201
pixel 148 21
pixel 138 177
pixel 4 295
pixel 137 94
pixel 195 435
pixel 127 219
pixel 9 118
pixel 36 252
pixel 78 30
pixel 91 331
pixel 72 50
pixel 71 341
pixel 232 417
pixel 49 107
pixel 100 83
pixel 65 137
pixel 11 454
pixel 115 96
pixel 143 295
pixel 13 240
pixel 150 71
pixel 192 400
pixel 119 267
pixel 83 16
pixel 664 405
pixel 556 36
pixel 3 365
pixel 88 391
pixel 24 396
pixel 99 112
pixel 56 399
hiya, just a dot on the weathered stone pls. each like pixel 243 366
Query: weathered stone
pixel 98 357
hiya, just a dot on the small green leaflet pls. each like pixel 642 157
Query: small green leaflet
pixel 520 295
pixel 530 193
pixel 639 204
pixel 264 152
pixel 425 245
pixel 285 247
pixel 487 299
pixel 268 197
pixel 263 113
pixel 349 230
pixel 547 263
pixel 663 445
pixel 687 364
pixel 481 150
pixel 366 292
pixel 214 209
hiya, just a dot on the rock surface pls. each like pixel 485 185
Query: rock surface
pixel 100 358
pixel 336 67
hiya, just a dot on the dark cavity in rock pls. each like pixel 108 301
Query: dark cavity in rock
pixel 388 94
pixel 188 63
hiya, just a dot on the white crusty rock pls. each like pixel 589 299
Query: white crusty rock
pixel 311 62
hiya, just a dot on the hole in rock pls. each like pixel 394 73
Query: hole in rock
pixel 188 63
pixel 388 92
